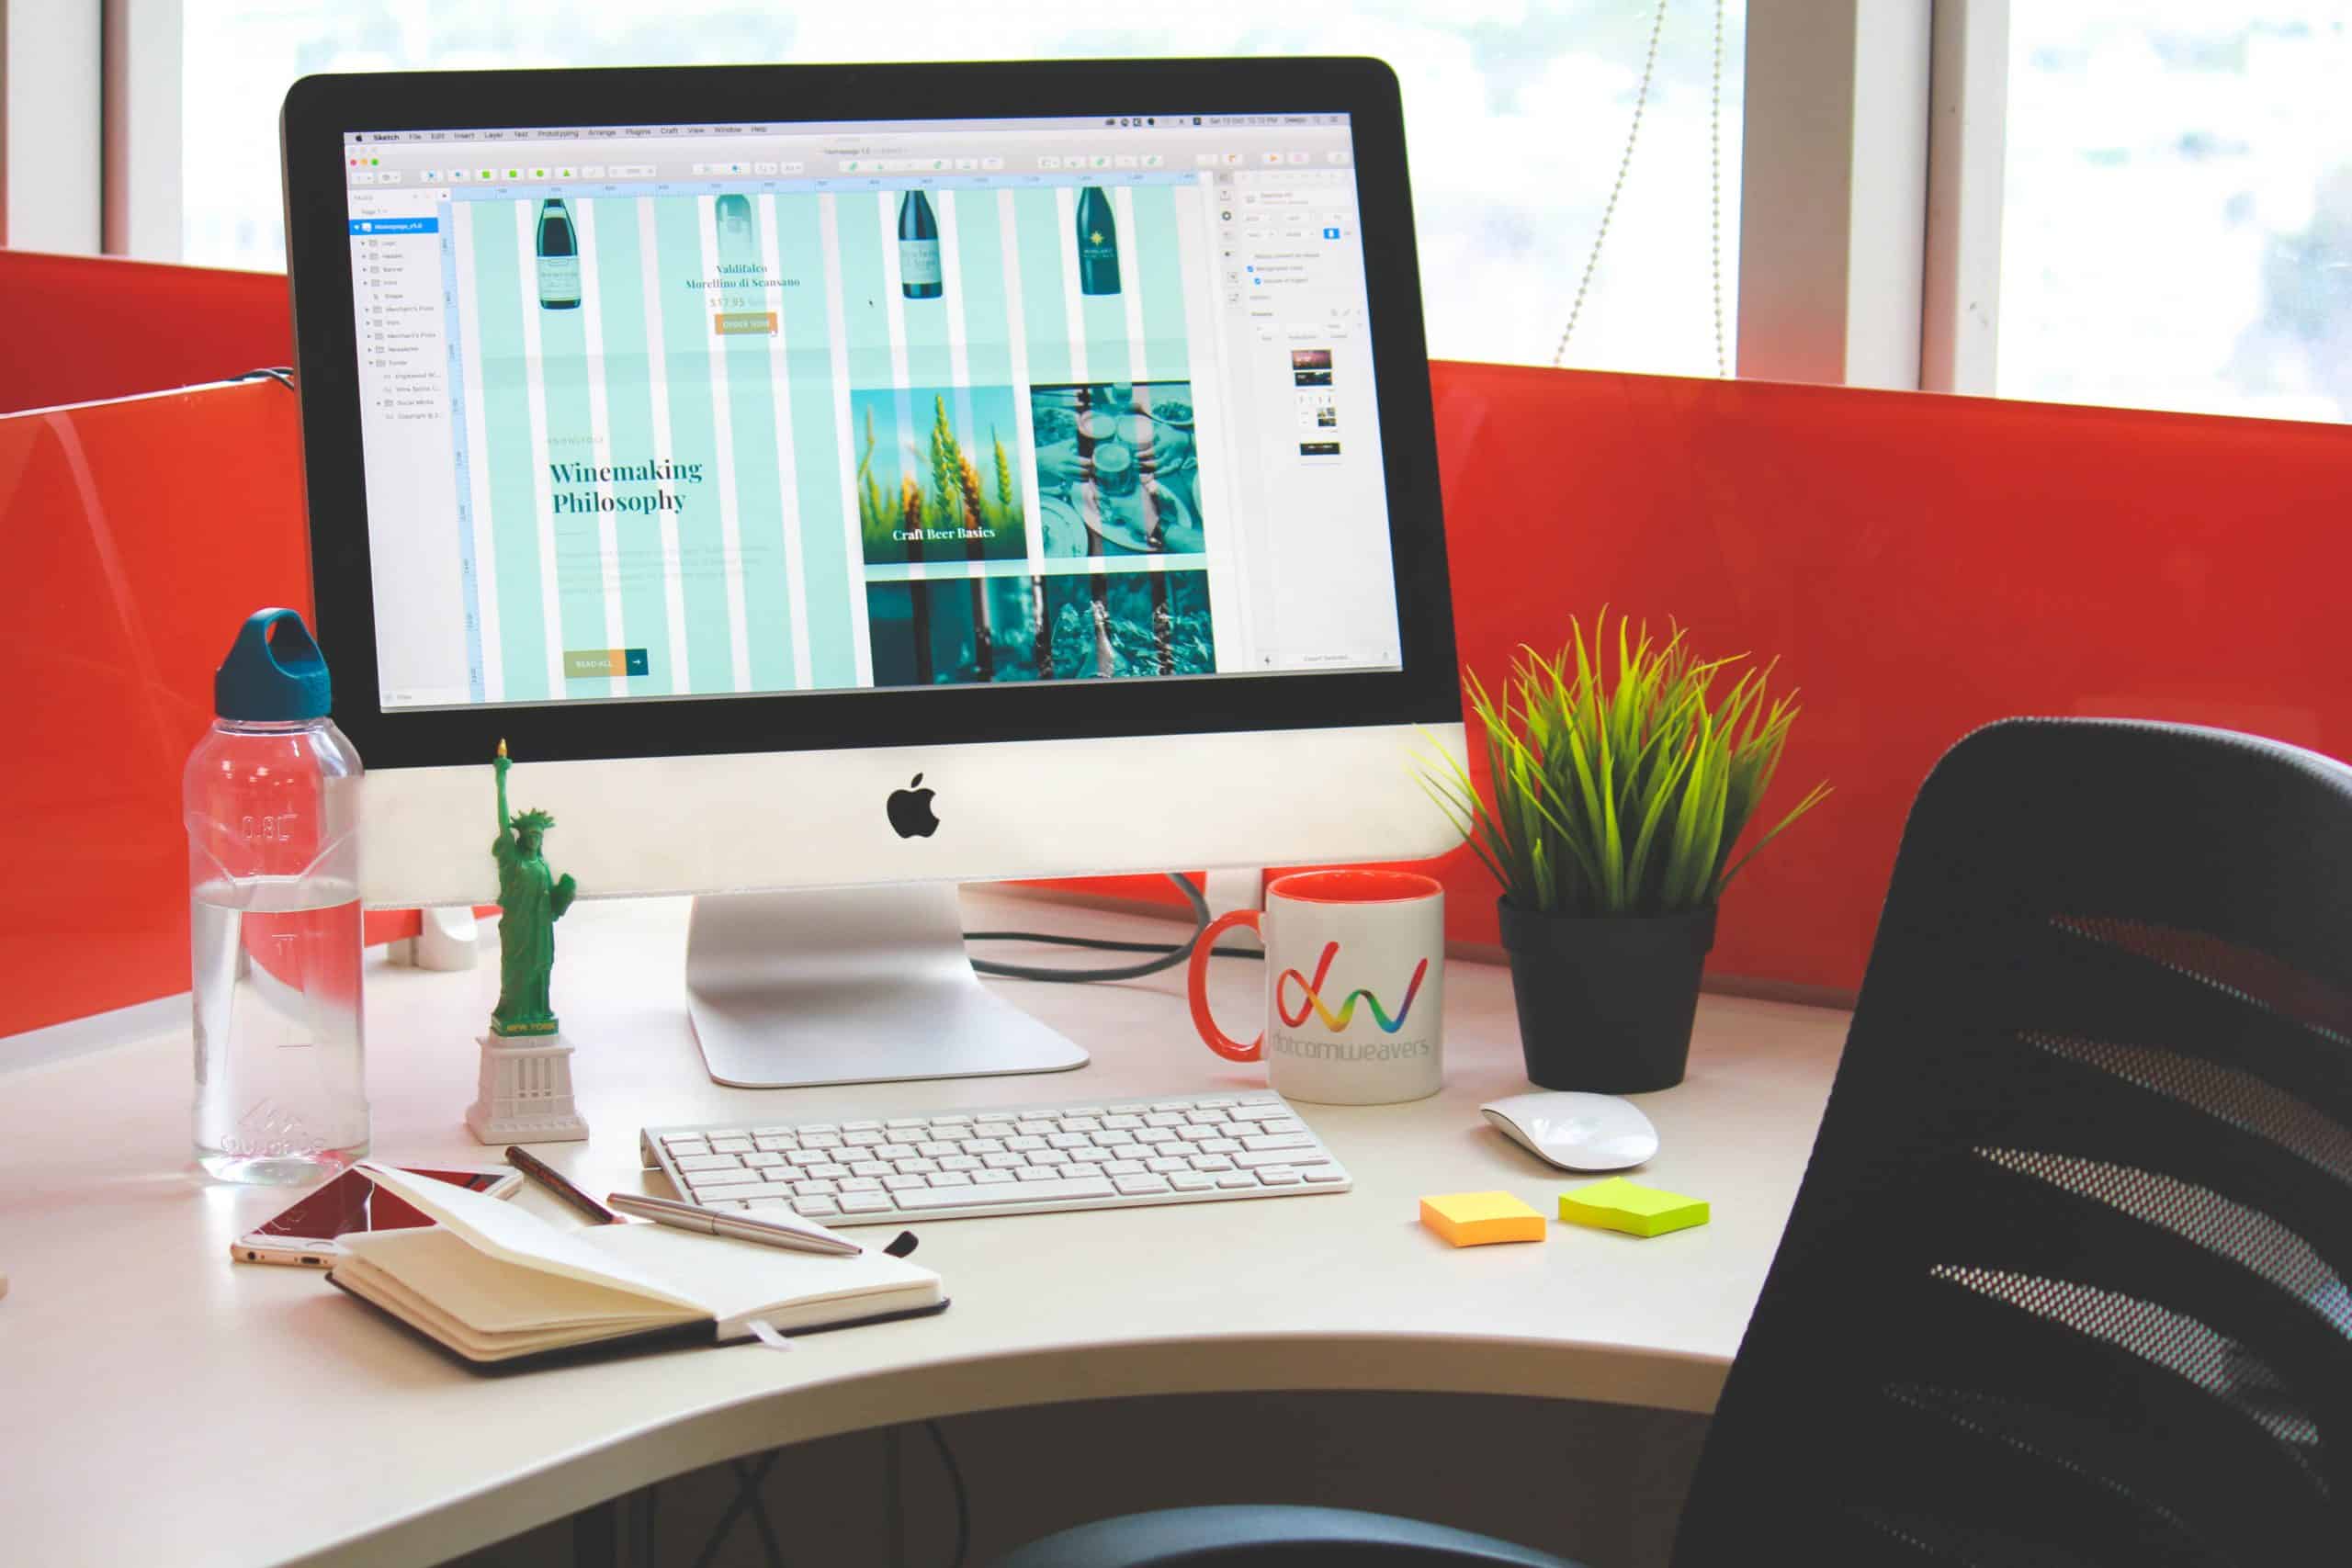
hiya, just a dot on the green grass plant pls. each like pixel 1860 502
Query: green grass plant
pixel 1620 795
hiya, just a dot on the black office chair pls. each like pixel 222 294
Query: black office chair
pixel 2065 1283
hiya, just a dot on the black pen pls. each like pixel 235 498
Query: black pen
pixel 552 1179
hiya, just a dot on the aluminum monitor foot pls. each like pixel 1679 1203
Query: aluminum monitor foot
pixel 864 985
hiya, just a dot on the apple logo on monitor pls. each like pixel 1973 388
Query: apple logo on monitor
pixel 909 810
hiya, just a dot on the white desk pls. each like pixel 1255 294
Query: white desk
pixel 165 1405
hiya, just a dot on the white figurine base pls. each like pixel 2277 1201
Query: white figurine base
pixel 525 1096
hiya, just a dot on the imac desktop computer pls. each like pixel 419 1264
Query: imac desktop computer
pixel 837 484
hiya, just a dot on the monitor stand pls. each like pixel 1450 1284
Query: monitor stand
pixel 856 985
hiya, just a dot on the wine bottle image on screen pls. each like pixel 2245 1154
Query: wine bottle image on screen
pixel 1098 243
pixel 918 248
pixel 738 239
pixel 559 258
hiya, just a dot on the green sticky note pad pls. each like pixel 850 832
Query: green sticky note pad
pixel 1618 1204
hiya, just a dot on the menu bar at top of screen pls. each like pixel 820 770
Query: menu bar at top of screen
pixel 726 155
pixel 828 128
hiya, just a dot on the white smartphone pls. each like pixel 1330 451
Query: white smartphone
pixel 304 1234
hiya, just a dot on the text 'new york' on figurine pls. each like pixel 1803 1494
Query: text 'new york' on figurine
pixel 526 1088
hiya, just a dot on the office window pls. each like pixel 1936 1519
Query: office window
pixel 1518 116
pixel 2176 230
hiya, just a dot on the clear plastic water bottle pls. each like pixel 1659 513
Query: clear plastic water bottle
pixel 272 803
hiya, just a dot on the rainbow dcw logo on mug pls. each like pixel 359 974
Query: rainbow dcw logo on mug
pixel 1360 1024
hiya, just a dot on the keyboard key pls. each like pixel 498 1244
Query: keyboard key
pixel 1053 1189
pixel 815 1208
pixel 1280 1140
pixel 709 1162
pixel 1049 1156
pixel 951 1178
pixel 758 1162
pixel 810 1156
pixel 1081 1125
pixel 983 1145
pixel 1218 1102
pixel 1165 1119
pixel 1174 1105
pixel 1082 1111
pixel 786 1174
pixel 1112 1137
pixel 866 1204
pixel 1037 1173
pixel 1191 1182
pixel 1068 1140
pixel 1037 1128
pixel 768 1205
pixel 715 1132
pixel 759 1133
pixel 1137 1186
pixel 897 1123
pixel 821 1188
pixel 818 1127
pixel 1166 1165
pixel 902 1184
pixel 1211 1162
pixel 1260 1113
pixel 864 1138
pixel 955 1161
pixel 894 1151
pixel 991 1177
pixel 1024 1143
pixel 1206 1118
pixel 855 1184
pixel 1322 1173
pixel 1197 1135
pixel 734 1208
pixel 775 1145
pixel 917 1166
pixel 1262 1099
pixel 1155 1135
pixel 1279 1176
pixel 1088 1155
pixel 1284 1125
pixel 1219 1146
pixel 1004 1162
pixel 1121 1119
pixel 933 1148
pixel 813 1139
pixel 861 1126
pixel 872 1168
pixel 720 1193
pixel 1271 1159
pixel 1236 1179
pixel 993 1119
pixel 1124 1168
pixel 951 1117
pixel 730 1146
pixel 830 1172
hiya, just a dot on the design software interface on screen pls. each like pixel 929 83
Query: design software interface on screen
pixel 703 410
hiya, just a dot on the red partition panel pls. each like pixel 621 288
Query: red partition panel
pixel 140 532
pixel 81 328
pixel 1920 565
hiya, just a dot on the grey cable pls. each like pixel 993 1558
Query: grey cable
pixel 1169 957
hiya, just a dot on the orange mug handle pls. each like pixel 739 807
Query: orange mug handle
pixel 1196 987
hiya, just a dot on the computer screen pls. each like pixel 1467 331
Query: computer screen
pixel 680 410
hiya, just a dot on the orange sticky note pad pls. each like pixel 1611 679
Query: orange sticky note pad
pixel 1474 1219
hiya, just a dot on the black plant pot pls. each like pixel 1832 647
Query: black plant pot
pixel 1605 1004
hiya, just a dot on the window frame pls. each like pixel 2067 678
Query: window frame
pixel 1880 119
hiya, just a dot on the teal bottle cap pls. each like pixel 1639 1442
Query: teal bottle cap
pixel 274 674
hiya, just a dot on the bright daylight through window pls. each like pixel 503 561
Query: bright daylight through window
pixel 1516 112
pixel 2176 230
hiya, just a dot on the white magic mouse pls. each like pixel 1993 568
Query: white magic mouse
pixel 1575 1132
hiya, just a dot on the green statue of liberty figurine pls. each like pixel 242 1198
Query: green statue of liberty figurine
pixel 531 899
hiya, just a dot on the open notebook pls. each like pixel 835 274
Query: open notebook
pixel 495 1284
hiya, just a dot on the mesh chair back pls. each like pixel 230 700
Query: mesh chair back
pixel 2065 1283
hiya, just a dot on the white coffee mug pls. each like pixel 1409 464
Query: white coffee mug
pixel 1355 987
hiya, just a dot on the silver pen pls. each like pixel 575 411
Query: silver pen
pixel 781 1230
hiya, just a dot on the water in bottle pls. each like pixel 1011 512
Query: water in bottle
pixel 272 809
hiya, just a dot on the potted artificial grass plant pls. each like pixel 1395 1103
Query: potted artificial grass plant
pixel 1617 804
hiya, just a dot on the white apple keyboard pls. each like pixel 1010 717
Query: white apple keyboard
pixel 1003 1160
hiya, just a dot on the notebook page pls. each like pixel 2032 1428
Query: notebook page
pixel 518 1236
pixel 490 1297
pixel 731 1279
